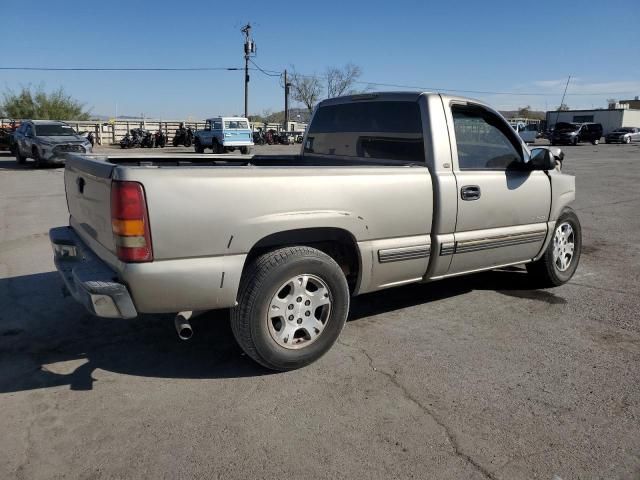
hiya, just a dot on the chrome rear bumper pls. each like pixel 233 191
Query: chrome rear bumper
pixel 87 278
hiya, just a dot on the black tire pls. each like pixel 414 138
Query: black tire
pixel 19 158
pixel 37 159
pixel 260 283
pixel 197 146
pixel 545 271
pixel 245 150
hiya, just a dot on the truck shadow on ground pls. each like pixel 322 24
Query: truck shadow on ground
pixel 47 340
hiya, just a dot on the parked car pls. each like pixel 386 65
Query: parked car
pixel 224 134
pixel 574 133
pixel 48 142
pixel 528 133
pixel 7 140
pixel 623 135
pixel 389 189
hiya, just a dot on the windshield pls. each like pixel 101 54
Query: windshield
pixel 232 124
pixel 54 130
pixel 384 130
pixel 566 127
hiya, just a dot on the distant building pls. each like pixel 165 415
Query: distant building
pixel 632 104
pixel 610 119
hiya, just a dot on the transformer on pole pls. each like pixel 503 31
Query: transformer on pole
pixel 249 50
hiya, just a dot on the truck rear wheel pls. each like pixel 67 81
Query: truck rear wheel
pixel 292 305
pixel 560 260
pixel 245 150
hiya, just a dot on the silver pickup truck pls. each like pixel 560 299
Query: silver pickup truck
pixel 389 189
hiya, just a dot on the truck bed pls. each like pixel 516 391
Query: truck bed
pixel 209 160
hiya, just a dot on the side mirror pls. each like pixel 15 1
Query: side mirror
pixel 544 158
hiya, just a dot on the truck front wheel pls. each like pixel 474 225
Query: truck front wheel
pixel 292 305
pixel 560 260
pixel 197 146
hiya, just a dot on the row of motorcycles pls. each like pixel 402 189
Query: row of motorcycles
pixel 140 137
pixel 271 137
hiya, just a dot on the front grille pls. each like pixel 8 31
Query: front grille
pixel 69 148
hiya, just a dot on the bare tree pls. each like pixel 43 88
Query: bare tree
pixel 562 108
pixel 341 80
pixel 306 89
pixel 524 112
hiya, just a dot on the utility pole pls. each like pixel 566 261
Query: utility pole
pixel 286 102
pixel 249 49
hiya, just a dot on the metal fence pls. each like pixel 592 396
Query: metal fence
pixel 112 132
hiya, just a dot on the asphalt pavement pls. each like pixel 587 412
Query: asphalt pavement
pixel 472 378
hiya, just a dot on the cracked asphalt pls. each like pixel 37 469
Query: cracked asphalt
pixel 473 378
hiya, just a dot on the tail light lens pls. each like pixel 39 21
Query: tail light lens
pixel 130 222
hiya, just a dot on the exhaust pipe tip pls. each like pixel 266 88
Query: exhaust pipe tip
pixel 183 326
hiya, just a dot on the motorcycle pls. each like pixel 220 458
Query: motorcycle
pixel 146 139
pixel 131 139
pixel 269 137
pixel 258 138
pixel 160 139
pixel 183 136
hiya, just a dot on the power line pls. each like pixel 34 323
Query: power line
pixel 266 72
pixel 277 73
pixel 122 69
pixel 452 90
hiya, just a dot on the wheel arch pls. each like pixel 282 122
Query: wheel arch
pixel 338 243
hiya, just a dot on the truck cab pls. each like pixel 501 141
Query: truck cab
pixel 224 134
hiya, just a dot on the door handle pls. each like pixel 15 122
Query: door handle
pixel 470 192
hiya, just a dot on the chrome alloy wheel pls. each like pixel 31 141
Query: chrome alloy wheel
pixel 299 310
pixel 563 246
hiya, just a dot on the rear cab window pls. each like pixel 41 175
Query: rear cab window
pixel 236 125
pixel 386 130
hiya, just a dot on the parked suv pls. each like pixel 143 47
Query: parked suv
pixel 574 133
pixel 47 142
pixel 223 134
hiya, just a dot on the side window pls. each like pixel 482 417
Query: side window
pixel 207 126
pixel 484 140
pixel 28 130
pixel 217 125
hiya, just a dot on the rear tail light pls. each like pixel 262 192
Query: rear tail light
pixel 130 222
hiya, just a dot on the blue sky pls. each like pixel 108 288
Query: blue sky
pixel 512 46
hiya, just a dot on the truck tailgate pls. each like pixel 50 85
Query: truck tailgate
pixel 88 187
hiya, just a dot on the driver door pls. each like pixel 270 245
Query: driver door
pixel 503 208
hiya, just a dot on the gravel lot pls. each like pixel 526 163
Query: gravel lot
pixel 478 377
